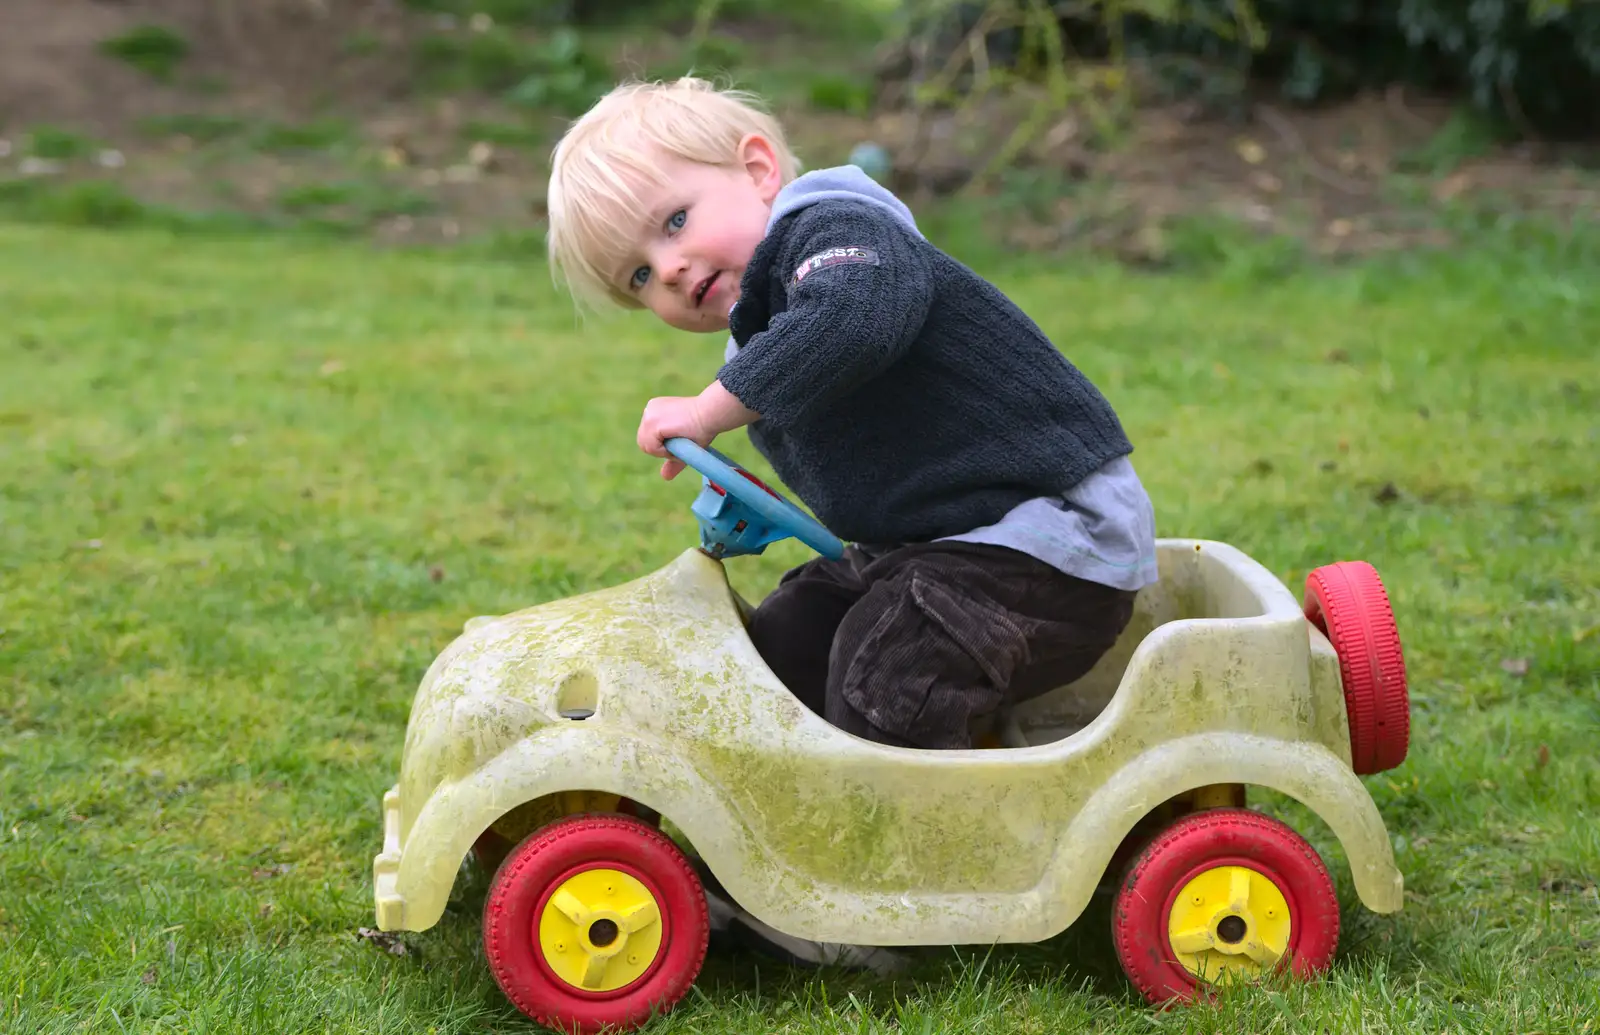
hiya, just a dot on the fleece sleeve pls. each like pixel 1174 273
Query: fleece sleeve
pixel 859 289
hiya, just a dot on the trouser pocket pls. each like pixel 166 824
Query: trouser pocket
pixel 919 659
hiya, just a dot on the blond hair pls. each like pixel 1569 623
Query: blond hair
pixel 607 155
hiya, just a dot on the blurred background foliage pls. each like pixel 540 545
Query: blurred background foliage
pixel 433 119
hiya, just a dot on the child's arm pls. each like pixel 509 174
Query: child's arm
pixel 859 291
pixel 699 418
pixel 860 285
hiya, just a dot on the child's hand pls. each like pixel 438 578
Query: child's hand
pixel 672 417
pixel 698 418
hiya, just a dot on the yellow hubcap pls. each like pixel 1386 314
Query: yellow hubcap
pixel 1229 922
pixel 600 931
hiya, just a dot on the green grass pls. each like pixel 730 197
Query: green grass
pixel 321 134
pixel 250 487
pixel 505 134
pixel 1466 135
pixel 358 202
pixel 55 144
pixel 338 208
pixel 317 135
pixel 153 49
pixel 198 126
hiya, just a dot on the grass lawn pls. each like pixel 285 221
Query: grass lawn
pixel 249 488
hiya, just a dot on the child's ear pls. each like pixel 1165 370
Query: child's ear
pixel 759 159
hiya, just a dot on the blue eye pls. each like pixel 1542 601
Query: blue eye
pixel 640 276
pixel 679 218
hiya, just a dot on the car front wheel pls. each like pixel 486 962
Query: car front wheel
pixel 595 922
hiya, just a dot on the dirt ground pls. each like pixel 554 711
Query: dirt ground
pixel 425 167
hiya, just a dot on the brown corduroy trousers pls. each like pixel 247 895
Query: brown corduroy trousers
pixel 908 645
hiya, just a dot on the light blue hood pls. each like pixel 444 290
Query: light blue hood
pixel 842 183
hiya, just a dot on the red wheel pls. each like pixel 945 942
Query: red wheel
pixel 1348 603
pixel 595 922
pixel 1220 896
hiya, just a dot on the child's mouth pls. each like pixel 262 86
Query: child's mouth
pixel 705 287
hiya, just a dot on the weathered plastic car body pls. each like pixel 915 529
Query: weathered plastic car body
pixel 653 692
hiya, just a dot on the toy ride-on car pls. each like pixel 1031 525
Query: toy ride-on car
pixel 561 735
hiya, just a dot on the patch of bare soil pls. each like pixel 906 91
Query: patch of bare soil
pixel 284 57
pixel 282 62
pixel 1327 176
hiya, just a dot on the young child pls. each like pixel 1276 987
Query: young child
pixel 999 532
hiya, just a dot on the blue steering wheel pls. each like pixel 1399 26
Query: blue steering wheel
pixel 739 515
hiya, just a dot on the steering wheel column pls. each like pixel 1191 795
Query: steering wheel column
pixel 739 514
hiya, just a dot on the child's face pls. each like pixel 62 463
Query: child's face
pixel 699 234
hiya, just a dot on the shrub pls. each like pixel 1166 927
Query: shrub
pixel 1534 64
pixel 557 71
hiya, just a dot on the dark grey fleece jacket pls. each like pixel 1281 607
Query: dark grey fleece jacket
pixel 903 397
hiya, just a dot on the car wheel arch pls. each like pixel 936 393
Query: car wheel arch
pixel 456 817
pixel 1088 847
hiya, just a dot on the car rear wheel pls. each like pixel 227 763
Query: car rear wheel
pixel 595 922
pixel 1348 603
pixel 1221 896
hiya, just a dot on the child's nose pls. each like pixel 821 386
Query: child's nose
pixel 673 268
